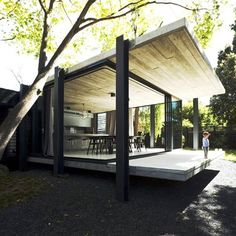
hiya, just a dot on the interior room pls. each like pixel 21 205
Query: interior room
pixel 90 117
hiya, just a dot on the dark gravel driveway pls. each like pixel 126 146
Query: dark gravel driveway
pixel 83 203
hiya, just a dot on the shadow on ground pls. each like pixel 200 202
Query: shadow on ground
pixel 83 203
pixel 213 213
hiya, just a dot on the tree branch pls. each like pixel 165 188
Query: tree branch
pixel 70 34
pixel 8 39
pixel 161 3
pixel 14 7
pixel 4 16
pixel 114 16
pixel 16 77
pixel 51 5
pixel 63 7
pixel 132 3
pixel 49 8
pixel 43 7
pixel 42 53
pixel 80 20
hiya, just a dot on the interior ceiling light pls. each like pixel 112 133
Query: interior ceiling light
pixel 112 94
pixel 85 114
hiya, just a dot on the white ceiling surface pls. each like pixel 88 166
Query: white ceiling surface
pixel 171 59
pixel 93 92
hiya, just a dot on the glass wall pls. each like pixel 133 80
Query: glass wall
pixel 177 124
pixel 160 125
pixel 101 123
pixel 144 120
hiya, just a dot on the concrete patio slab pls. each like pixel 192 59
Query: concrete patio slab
pixel 176 165
pixel 179 165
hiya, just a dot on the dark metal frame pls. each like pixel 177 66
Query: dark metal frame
pixel 152 125
pixel 106 63
pixel 138 79
pixel 80 72
pixel 122 117
pixel 168 124
pixel 36 119
pixel 58 139
pixel 34 133
pixel 195 124
pixel 22 136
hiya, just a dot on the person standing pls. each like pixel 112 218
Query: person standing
pixel 205 143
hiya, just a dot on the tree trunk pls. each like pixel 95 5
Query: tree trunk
pixel 16 115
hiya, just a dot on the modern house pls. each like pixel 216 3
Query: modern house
pixel 89 110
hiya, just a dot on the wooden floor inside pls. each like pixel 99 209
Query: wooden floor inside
pixel 177 165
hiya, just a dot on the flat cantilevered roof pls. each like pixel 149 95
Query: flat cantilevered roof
pixel 169 58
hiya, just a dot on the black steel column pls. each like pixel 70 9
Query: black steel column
pixel 34 132
pixel 36 123
pixel 22 135
pixel 195 124
pixel 122 117
pixel 181 123
pixel 168 123
pixel 152 126
pixel 58 137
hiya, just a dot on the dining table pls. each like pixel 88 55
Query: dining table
pixel 99 143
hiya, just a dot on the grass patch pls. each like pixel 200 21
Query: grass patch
pixel 230 155
pixel 15 189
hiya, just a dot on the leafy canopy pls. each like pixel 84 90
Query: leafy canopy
pixel 224 106
pixel 23 22
pixel 205 116
pixel 206 22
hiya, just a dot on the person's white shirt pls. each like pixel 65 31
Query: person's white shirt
pixel 205 142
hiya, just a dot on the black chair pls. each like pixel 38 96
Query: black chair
pixel 94 144
pixel 138 141
pixel 108 144
pixel 147 140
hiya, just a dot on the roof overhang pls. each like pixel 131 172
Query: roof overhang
pixel 169 58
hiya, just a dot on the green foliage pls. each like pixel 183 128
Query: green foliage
pixel 224 106
pixel 187 114
pixel 143 20
pixel 187 123
pixel 144 119
pixel 206 117
pixel 131 25
pixel 206 22
pixel 159 119
pixel 23 21
pixel 230 155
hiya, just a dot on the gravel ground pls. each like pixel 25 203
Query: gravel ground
pixel 83 203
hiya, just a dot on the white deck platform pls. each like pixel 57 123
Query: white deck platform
pixel 103 156
pixel 177 165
